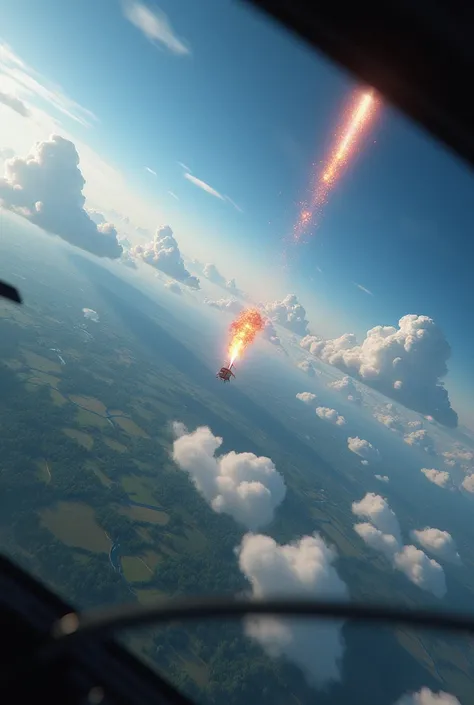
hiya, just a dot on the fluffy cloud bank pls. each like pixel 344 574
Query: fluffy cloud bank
pixel 330 415
pixel 437 542
pixel 163 253
pixel 382 533
pixel 303 568
pixel 288 313
pixel 425 696
pixel 406 363
pixel 46 188
pixel 246 486
pixel 361 447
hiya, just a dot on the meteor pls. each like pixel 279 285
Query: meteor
pixel 356 121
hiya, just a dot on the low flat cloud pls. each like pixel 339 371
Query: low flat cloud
pixel 156 27
pixel 243 485
pixel 46 188
pixel 302 568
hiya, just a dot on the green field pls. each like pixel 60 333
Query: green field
pixel 139 490
pixel 75 524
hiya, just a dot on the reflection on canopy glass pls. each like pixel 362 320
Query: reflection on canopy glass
pixel 219 195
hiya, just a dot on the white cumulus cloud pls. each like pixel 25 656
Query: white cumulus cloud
pixel 330 415
pixel 303 568
pixel 382 533
pixel 288 313
pixel 376 539
pixel 306 397
pixel 424 572
pixel 46 187
pixel 307 367
pixel 468 483
pixel 228 305
pixel 155 26
pixel 246 486
pixel 382 478
pixel 376 509
pixel 391 422
pixel 438 477
pixel 406 363
pixel 163 253
pixel 363 448
pixel 420 439
pixel 346 385
pixel 425 696
pixel 437 542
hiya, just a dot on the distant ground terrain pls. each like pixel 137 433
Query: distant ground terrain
pixel 92 502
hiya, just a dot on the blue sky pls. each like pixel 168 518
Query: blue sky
pixel 249 111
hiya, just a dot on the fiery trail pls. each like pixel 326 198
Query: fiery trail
pixel 243 331
pixel 356 121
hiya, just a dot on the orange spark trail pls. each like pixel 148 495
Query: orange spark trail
pixel 243 331
pixel 357 120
